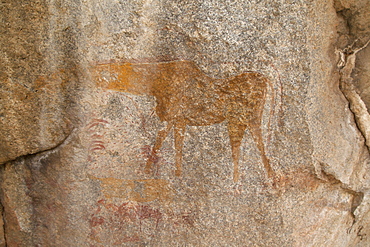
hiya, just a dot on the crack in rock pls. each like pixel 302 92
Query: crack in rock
pixel 346 64
pixel 57 145
pixel 325 176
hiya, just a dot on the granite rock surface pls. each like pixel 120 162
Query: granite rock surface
pixel 184 123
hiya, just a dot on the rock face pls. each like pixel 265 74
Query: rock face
pixel 176 123
pixel 33 100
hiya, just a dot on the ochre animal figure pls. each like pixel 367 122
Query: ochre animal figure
pixel 185 96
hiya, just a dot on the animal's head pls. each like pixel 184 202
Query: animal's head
pixel 123 77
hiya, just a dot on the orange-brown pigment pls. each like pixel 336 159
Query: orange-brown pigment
pixel 186 96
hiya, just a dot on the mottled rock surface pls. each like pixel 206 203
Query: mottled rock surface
pixel 34 101
pixel 183 123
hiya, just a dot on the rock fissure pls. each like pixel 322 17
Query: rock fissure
pixel 346 65
pixel 63 141
pixel 3 227
pixel 357 196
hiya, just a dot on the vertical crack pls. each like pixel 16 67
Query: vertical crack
pixel 346 64
pixel 3 242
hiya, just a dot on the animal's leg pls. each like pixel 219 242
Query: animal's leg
pixel 179 142
pixel 236 133
pixel 161 136
pixel 257 137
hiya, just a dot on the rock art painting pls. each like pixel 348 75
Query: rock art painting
pixel 122 224
pixel 186 96
pixel 139 190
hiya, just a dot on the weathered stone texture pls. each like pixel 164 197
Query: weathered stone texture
pixel 38 75
pixel 176 123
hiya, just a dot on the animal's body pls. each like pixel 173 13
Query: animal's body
pixel 185 96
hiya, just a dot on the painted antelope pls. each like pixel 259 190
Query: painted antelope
pixel 186 96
